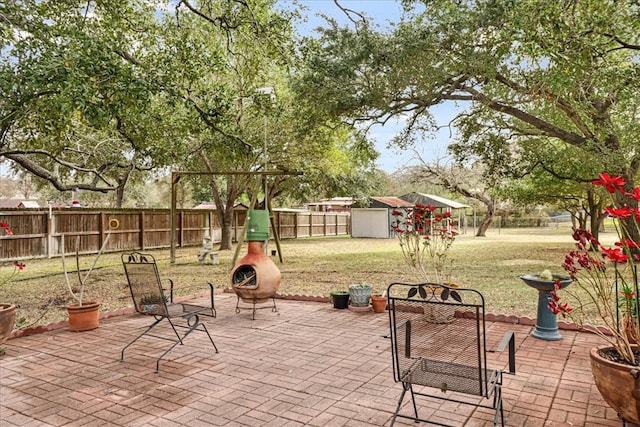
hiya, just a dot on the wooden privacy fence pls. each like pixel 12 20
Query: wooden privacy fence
pixel 38 233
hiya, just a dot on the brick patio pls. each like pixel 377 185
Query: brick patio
pixel 309 365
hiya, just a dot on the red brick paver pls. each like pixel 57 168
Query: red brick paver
pixel 309 365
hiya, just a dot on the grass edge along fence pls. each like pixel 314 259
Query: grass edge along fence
pixel 37 233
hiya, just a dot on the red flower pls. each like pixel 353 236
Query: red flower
pixel 6 228
pixel 396 212
pixel 431 208
pixel 558 308
pixel 584 238
pixel 628 243
pixel 623 212
pixel 19 265
pixel 635 194
pixel 615 254
pixel 612 183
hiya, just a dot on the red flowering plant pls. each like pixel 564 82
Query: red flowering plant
pixel 8 309
pixel 17 265
pixel 425 239
pixel 606 278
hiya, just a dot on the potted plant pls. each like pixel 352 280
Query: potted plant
pixel 379 302
pixel 83 315
pixel 8 310
pixel 150 304
pixel 426 238
pixel 339 299
pixel 360 294
pixel 606 293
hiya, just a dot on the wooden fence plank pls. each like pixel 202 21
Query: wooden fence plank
pixel 37 233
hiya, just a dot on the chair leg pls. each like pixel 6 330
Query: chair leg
pixel 497 399
pixel 405 387
pixel 138 337
pixel 191 326
pixel 209 335
pixel 413 400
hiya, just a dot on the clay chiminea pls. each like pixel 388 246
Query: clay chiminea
pixel 256 278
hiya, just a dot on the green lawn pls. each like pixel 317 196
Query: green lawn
pixel 316 266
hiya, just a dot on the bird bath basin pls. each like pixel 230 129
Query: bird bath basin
pixel 546 322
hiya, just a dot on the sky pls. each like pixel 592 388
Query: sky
pixel 381 12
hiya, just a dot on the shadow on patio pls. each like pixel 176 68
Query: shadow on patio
pixel 309 365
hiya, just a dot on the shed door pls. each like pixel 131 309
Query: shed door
pixel 370 223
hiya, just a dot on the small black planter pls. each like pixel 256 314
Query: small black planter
pixel 340 299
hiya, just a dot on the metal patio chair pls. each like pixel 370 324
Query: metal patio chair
pixel 439 342
pixel 149 299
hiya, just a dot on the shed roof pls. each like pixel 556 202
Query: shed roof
pixel 392 202
pixel 430 199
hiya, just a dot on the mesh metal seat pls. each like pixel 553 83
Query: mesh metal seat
pixel 439 341
pixel 149 299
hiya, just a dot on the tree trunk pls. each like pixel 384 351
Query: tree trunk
pixel 594 205
pixel 122 183
pixel 484 226
pixel 226 223
pixel 119 197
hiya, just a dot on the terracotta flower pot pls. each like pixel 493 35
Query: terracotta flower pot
pixel 379 303
pixel 617 384
pixel 85 317
pixel 7 321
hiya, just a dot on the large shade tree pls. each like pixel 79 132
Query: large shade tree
pixel 541 83
pixel 236 60
pixel 95 95
pixel 80 90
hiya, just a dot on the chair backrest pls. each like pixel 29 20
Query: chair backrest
pixel 443 327
pixel 144 283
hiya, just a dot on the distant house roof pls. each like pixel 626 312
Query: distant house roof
pixel 430 199
pixel 19 203
pixel 391 202
pixel 342 201
pixel 212 206
pixel 206 205
pixel 336 204
pixel 289 210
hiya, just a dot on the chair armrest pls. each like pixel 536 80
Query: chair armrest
pixel 212 306
pixel 509 339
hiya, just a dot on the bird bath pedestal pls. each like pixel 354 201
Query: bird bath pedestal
pixel 546 322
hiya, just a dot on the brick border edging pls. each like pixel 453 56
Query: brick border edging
pixel 489 317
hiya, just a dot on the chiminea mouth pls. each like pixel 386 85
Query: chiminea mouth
pixel 245 277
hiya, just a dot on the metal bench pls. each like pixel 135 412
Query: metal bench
pixel 439 340
pixel 149 300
